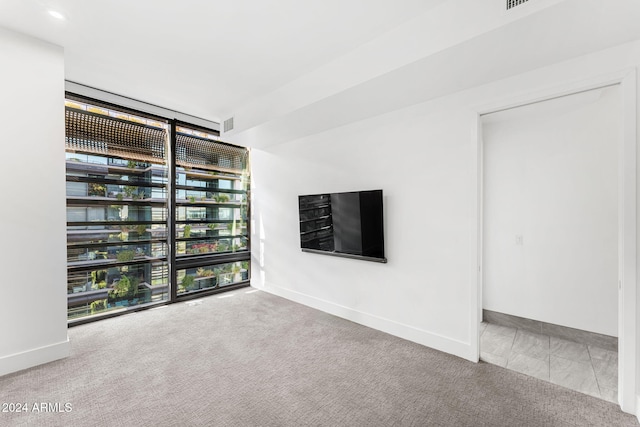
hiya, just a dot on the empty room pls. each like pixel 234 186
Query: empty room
pixel 336 213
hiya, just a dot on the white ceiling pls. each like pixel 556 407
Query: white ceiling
pixel 483 45
pixel 285 69
pixel 205 58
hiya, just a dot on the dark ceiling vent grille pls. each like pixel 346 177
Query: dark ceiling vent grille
pixel 228 124
pixel 514 3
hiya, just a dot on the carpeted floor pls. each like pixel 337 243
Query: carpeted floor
pixel 254 359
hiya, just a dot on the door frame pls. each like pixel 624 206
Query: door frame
pixel 627 223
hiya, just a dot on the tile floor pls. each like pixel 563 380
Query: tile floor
pixel 584 368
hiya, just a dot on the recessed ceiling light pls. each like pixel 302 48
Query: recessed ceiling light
pixel 56 14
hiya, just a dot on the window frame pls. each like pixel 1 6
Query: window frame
pixel 174 264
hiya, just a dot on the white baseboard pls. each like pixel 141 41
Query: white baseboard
pixel 37 356
pixel 407 332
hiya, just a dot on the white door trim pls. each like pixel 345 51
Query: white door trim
pixel 627 224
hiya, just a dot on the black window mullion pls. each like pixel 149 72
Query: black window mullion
pixel 207 260
pixel 85 223
pixel 96 180
pixel 171 213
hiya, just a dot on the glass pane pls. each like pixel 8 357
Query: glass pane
pixel 116 230
pixel 213 245
pixel 211 198
pixel 212 276
pixel 82 235
pixel 209 213
pixel 83 256
pixel 115 288
pixel 82 212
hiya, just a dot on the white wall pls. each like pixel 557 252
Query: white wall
pixel 550 211
pixel 33 304
pixel 422 160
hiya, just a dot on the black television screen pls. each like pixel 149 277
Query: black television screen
pixel 343 224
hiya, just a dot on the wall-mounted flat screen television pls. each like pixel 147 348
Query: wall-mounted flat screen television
pixel 348 224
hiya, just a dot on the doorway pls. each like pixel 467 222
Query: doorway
pixel 620 308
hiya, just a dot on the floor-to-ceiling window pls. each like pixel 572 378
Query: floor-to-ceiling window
pixel 156 210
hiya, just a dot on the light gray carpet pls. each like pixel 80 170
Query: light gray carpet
pixel 254 359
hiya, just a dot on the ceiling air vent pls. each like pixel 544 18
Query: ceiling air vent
pixel 228 125
pixel 514 3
